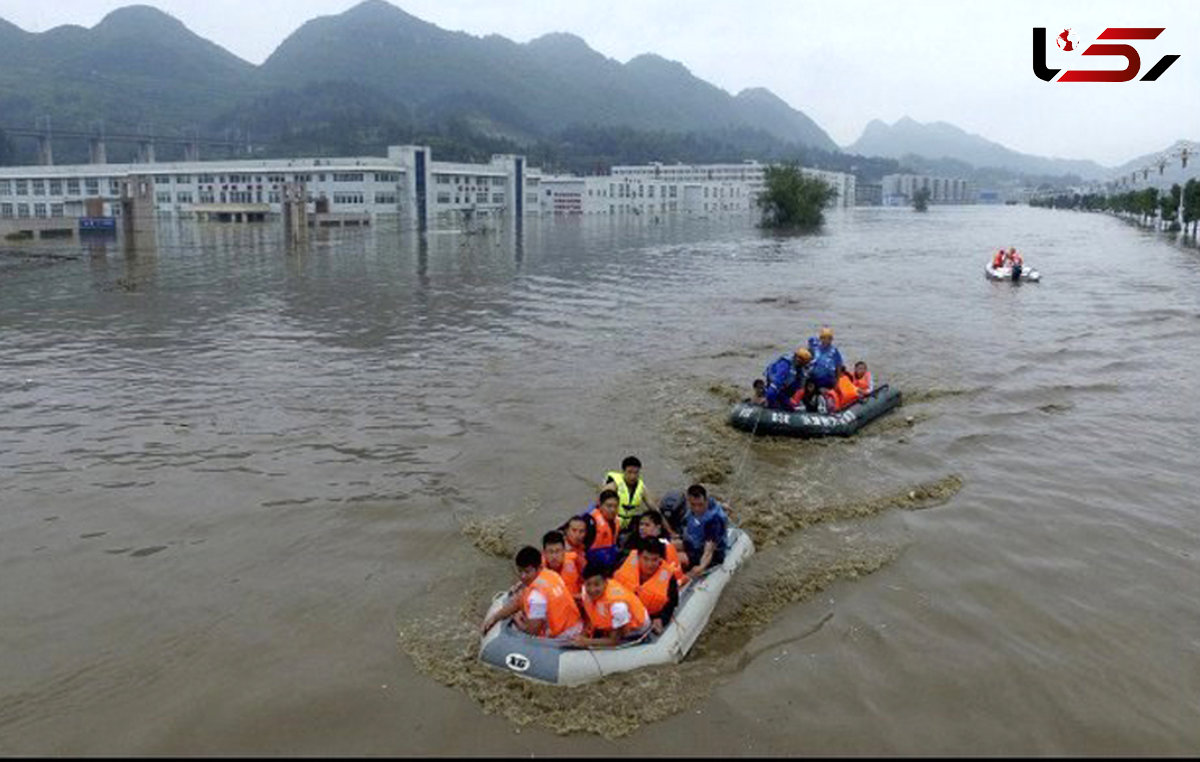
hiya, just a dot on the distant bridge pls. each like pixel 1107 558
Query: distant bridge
pixel 144 139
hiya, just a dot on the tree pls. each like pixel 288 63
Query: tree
pixel 792 199
pixel 1169 206
pixel 920 199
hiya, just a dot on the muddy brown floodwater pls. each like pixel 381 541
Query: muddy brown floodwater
pixel 255 501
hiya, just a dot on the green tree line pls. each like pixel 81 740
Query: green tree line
pixel 1145 204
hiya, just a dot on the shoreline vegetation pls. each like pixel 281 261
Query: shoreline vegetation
pixel 1147 207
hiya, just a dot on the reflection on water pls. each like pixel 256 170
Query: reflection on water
pixel 233 468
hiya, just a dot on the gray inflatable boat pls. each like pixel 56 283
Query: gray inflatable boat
pixel 554 662
pixel 758 419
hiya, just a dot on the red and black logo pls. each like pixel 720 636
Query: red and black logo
pixel 1133 61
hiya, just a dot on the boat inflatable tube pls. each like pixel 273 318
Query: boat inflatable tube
pixel 758 419
pixel 1005 273
pixel 554 662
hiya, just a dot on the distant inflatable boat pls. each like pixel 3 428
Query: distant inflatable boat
pixel 758 419
pixel 1006 273
pixel 548 661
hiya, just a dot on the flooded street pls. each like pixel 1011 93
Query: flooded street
pixel 255 501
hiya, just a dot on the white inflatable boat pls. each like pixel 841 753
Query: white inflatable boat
pixel 554 662
pixel 1006 273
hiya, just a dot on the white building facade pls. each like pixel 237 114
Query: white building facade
pixel 898 190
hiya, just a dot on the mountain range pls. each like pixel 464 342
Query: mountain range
pixel 374 75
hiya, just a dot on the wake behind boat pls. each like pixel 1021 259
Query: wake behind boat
pixel 555 662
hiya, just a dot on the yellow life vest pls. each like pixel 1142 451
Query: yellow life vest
pixel 629 507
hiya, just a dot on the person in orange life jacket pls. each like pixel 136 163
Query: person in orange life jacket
pixel 651 524
pixel 540 605
pixel 813 398
pixel 567 563
pixel 575 532
pixel 1000 260
pixel 1013 257
pixel 631 490
pixel 845 392
pixel 613 611
pixel 602 529
pixel 652 580
pixel 704 531
pixel 862 379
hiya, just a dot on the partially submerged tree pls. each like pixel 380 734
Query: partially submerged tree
pixel 921 199
pixel 792 199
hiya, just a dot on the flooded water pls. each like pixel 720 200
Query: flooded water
pixel 255 501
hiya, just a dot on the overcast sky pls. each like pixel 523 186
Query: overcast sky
pixel 967 62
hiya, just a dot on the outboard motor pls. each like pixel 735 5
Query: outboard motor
pixel 1016 272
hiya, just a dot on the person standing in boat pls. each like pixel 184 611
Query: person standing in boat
pixel 826 359
pixel 704 532
pixel 631 490
pixel 540 604
pixel 614 613
pixel 784 377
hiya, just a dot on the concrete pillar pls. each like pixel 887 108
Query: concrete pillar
pixel 137 211
pixel 97 152
pixel 295 212
pixel 45 150
pixel 145 152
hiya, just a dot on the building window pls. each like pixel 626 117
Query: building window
pixel 72 187
pixel 207 197
pixel 183 197
pixel 39 211
pixel 347 198
pixel 273 197
pixel 39 188
pixel 346 177
pixel 6 211
pixel 23 210
pixel 385 198
pixel 443 197
pixel 162 179
pixel 22 187
pixel 92 186
pixel 443 179
pixel 114 186
pixel 56 187
pixel 56 210
pixel 387 177
pixel 482 197
pixel 207 179
pixel 183 179
pixel 163 197
pixel 497 198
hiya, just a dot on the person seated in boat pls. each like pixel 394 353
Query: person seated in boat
pixel 759 397
pixel 844 393
pixel 784 376
pixel 631 490
pixel 825 358
pixel 568 564
pixel 614 613
pixel 862 378
pixel 602 520
pixel 652 525
pixel 654 581
pixel 1013 258
pixel 999 260
pixel 812 398
pixel 540 604
pixel 704 539
pixel 575 534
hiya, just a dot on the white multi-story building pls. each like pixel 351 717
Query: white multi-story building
pixel 406 184
pixel 898 190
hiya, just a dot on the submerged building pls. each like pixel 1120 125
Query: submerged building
pixel 407 185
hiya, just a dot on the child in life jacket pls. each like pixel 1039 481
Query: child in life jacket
pixel 862 378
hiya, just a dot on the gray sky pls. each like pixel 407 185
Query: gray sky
pixel 967 62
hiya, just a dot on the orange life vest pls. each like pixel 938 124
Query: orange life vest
pixel 571 573
pixel 863 384
pixel 606 536
pixel 1016 259
pixel 599 612
pixel 998 260
pixel 845 393
pixel 561 612
pixel 630 576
